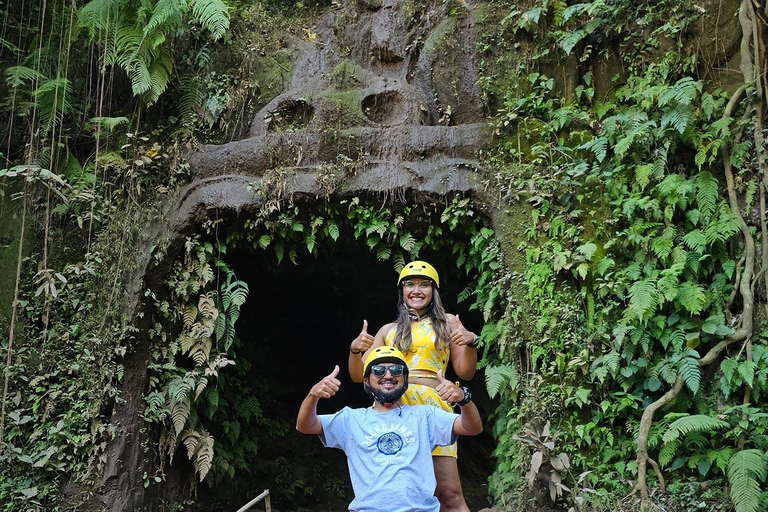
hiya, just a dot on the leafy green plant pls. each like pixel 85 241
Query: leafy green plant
pixel 746 470
pixel 138 38
pixel 547 466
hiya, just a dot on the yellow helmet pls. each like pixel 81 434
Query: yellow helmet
pixel 419 269
pixel 384 354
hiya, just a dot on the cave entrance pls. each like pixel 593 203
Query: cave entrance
pixel 296 325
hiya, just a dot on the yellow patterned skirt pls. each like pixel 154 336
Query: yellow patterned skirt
pixel 419 394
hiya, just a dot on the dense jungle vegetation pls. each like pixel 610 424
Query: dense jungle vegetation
pixel 625 334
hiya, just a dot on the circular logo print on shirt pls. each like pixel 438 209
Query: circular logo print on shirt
pixel 390 443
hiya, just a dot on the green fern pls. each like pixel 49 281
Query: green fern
pixel 500 377
pixel 707 194
pixel 643 174
pixel 598 146
pixel 643 298
pixel 107 123
pixel 662 245
pixel 97 15
pixel 249 408
pixel 689 369
pixel 213 15
pixel 18 76
pixel 190 103
pixel 746 470
pixel 166 13
pixel 694 423
pixel 678 118
pixel 692 297
pixel 140 40
pixel 668 451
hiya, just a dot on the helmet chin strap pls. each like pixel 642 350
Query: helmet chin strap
pixel 415 316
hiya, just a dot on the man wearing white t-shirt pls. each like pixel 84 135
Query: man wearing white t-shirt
pixel 389 445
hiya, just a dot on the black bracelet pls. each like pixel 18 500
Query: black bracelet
pixel 467 397
pixel 359 352
pixel 475 342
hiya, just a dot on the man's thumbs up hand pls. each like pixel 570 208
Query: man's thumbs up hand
pixel 327 387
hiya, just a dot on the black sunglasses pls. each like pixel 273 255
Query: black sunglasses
pixel 395 370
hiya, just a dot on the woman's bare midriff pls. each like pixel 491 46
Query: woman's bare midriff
pixel 424 381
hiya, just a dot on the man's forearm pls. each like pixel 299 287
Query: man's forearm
pixel 469 423
pixel 307 421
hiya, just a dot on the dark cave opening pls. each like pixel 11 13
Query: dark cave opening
pixel 296 325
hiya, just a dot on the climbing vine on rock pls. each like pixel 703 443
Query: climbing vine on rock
pixel 205 303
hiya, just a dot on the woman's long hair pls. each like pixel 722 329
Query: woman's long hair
pixel 436 313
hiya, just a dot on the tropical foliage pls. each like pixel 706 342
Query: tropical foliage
pixel 624 338
pixel 642 215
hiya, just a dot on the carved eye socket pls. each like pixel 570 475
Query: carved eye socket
pixel 290 115
pixel 384 108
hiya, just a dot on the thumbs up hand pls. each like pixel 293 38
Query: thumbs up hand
pixel 460 335
pixel 363 341
pixel 327 387
pixel 447 390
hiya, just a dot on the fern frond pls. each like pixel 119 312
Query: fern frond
pixel 499 377
pixel 159 75
pixel 200 387
pixel 689 369
pixel 249 408
pixel 201 350
pixel 166 14
pixel 694 423
pixel 207 306
pixel 16 76
pixel 667 452
pixel 238 291
pixel 189 315
pixel 692 297
pixel 96 15
pixel 683 92
pixel 213 15
pixel 678 118
pixel 746 470
pixel 643 298
pixel 191 440
pixel 662 246
pixel 598 146
pixel 179 414
pixel 192 97
pixel 707 195
pixel 204 455
pixel 107 123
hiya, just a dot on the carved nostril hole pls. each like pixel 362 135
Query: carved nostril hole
pixel 290 115
pixel 384 54
pixel 384 108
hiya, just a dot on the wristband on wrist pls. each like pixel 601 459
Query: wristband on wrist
pixel 475 342
pixel 467 396
pixel 358 352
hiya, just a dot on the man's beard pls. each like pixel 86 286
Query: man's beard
pixel 389 397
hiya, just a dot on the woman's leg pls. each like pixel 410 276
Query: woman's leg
pixel 448 485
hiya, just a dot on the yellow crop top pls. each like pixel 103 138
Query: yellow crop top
pixel 422 355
